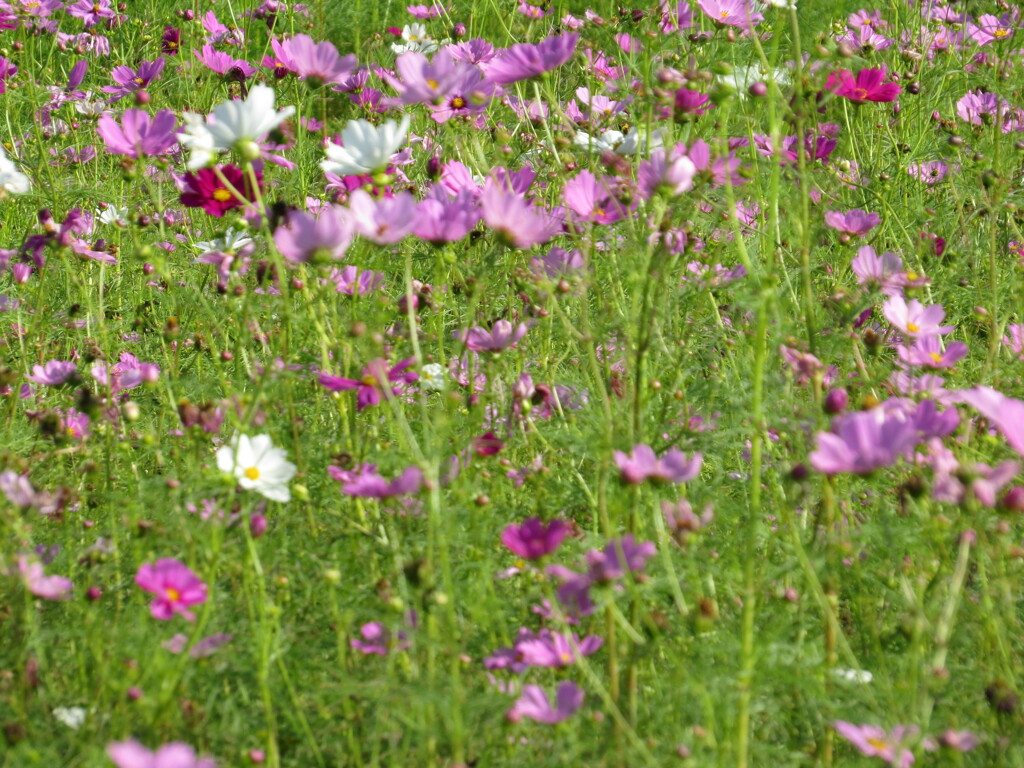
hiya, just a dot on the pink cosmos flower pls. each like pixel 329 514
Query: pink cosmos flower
pixel 554 649
pixel 384 221
pixel 1015 339
pixel 205 189
pixel 130 80
pixel 501 336
pixel 318 62
pixel 733 13
pixel 367 483
pixel 804 365
pixel 863 441
pixel 533 539
pixel 534 704
pixel 885 271
pixel 53 373
pixel 426 11
pixel 915 319
pixel 137 136
pixel 351 280
pixel 855 222
pixel 671 174
pixel 990 29
pixel 175 586
pixel 317 239
pixel 514 219
pixel 525 60
pixel 928 352
pixel 223 63
pixel 41 585
pixel 131 754
pixel 128 373
pixel 376 376
pixel 867 85
pixel 930 173
pixel 441 218
pixel 1005 413
pixel 91 11
pixel 642 463
pixel 590 199
pixel 874 741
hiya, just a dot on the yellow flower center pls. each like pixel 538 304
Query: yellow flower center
pixel 95 7
pixel 936 357
pixel 252 473
pixel 221 195
pixel 1001 32
pixel 911 275
pixel 860 93
pixel 137 80
pixel 173 595
pixel 877 743
pixel 565 657
pixel 458 102
pixel 913 327
pixel 369 381
pixel 723 14
pixel 432 82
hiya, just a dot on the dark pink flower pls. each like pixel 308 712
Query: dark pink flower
pixel 501 336
pixel 223 63
pixel 867 85
pixel 317 239
pixel 176 588
pixel 205 189
pixel 376 376
pixel 533 539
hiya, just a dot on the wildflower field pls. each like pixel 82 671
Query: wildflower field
pixel 497 384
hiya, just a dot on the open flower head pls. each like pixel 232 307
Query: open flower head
pixel 258 466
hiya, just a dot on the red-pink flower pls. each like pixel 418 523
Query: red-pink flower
pixel 175 586
pixel 376 375
pixel 534 539
pixel 867 85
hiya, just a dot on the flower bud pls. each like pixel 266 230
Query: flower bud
pixel 836 400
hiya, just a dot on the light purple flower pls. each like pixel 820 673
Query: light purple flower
pixel 915 319
pixel 526 60
pixel 53 373
pixel 319 62
pixel 534 704
pixel 1005 413
pixel 502 336
pixel 642 463
pixel 885 271
pixel 41 585
pixel 384 221
pixel 553 649
pixel 367 483
pixel 855 222
pixel 864 441
pixel 515 219
pixel 130 80
pixel 927 352
pixel 617 558
pixel 316 239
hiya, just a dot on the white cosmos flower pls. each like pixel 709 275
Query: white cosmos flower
pixel 232 242
pixel 433 377
pixel 197 138
pixel 367 148
pixel 11 179
pixel 72 717
pixel 234 125
pixel 618 142
pixel 258 466
pixel 113 215
pixel 415 38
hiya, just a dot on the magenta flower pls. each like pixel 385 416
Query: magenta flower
pixel 316 239
pixel 366 482
pixel 131 754
pixel 502 336
pixel 130 80
pixel 41 585
pixel 534 704
pixel 915 319
pixel 867 85
pixel 205 189
pixel 175 586
pixel 642 463
pixel 533 539
pixel 525 60
pixel 52 374
pixel 855 222
pixel 873 741
pixel 928 352
pixel 863 441
pixel 733 13
pixel 223 63
pixel 377 640
pixel 137 136
pixel 376 376
pixel 316 62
